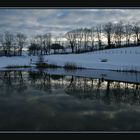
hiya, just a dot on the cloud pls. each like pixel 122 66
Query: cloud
pixel 31 21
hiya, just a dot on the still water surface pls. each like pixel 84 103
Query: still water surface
pixel 52 101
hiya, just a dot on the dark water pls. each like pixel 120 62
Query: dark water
pixel 53 102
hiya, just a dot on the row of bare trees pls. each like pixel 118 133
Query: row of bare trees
pixel 104 35
pixel 12 44
pixel 40 45
pixel 46 44
pixel 108 35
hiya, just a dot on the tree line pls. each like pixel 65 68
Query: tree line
pixel 12 44
pixel 101 36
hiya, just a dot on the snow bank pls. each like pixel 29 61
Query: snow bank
pixel 117 59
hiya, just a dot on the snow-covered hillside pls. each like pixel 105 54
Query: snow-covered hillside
pixel 117 59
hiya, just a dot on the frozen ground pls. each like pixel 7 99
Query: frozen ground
pixel 117 59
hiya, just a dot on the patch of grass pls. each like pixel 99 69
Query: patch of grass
pixel 131 71
pixel 17 66
pixel 45 65
pixel 70 66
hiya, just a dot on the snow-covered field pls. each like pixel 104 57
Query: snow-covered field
pixel 117 59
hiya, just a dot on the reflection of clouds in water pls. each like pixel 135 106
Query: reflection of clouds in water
pixel 88 112
pixel 39 109
pixel 60 112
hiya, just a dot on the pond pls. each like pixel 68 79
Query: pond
pixel 59 100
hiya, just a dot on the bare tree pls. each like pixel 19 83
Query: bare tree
pixel 136 31
pixel 21 41
pixel 2 42
pixel 57 39
pixel 47 40
pixel 128 32
pixel 99 35
pixel 59 43
pixel 15 47
pixel 71 37
pixel 92 37
pixel 79 39
pixel 40 43
pixel 108 29
pixel 118 33
pixel 9 40
pixel 86 37
pixel 79 34
pixel 33 47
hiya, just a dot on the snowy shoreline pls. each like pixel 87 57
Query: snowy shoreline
pixel 117 59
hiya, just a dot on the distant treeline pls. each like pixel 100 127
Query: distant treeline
pixel 101 36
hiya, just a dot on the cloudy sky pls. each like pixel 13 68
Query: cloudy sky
pixel 56 21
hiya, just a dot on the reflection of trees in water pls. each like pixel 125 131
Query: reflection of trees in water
pixel 12 81
pixel 40 80
pixel 107 91
pixel 80 87
pixel 58 81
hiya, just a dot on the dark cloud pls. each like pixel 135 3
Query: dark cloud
pixel 31 21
